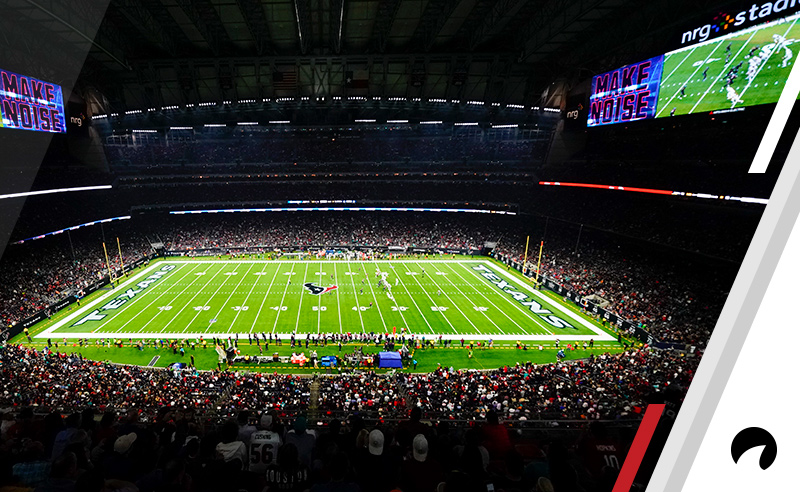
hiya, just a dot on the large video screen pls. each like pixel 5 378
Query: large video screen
pixel 30 104
pixel 743 68
pixel 746 68
pixel 626 94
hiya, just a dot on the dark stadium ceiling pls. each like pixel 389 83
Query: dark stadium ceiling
pixel 154 53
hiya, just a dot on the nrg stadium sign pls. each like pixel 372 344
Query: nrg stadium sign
pixel 756 14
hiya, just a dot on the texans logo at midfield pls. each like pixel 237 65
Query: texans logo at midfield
pixel 318 290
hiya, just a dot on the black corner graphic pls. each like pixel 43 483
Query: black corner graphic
pixel 753 437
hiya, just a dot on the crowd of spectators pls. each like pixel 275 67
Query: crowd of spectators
pixel 33 278
pixel 674 304
pixel 325 148
pixel 162 430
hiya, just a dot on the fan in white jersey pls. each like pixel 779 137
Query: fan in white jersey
pixel 263 446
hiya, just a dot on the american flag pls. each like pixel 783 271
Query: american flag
pixel 285 79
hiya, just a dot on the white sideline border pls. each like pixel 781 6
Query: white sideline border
pixel 599 335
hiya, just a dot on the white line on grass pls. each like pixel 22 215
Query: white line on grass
pixel 145 308
pixel 319 302
pixel 405 323
pixel 376 303
pixel 489 301
pixel 229 298
pixel 470 300
pixel 358 306
pixel 402 284
pixel 244 303
pixel 200 291
pixel 432 301
pixel 690 78
pixel 764 64
pixel 300 306
pixel 517 305
pixel 338 304
pixel 600 334
pixel 454 304
pixel 179 295
pixel 721 72
pixel 691 52
pixel 277 269
pixel 212 298
pixel 285 290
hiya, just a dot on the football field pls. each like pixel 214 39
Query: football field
pixel 455 298
pixel 697 79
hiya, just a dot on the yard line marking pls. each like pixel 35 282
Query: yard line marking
pixel 227 277
pixel 679 64
pixel 300 307
pixel 358 306
pixel 338 304
pixel 285 290
pixel 471 301
pixel 319 304
pixel 415 305
pixel 765 63
pixel 721 72
pixel 602 334
pixel 405 323
pixel 128 304
pixel 690 78
pixel 177 296
pixel 489 301
pixel 517 305
pixel 454 304
pixel 244 303
pixel 385 327
pixel 265 296
pixel 429 297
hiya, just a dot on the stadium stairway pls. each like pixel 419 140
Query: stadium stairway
pixel 313 401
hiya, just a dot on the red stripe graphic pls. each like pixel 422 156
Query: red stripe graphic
pixel 639 446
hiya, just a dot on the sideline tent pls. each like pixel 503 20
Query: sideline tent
pixel 390 360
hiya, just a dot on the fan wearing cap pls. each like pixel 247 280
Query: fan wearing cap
pixel 303 439
pixel 264 445
pixel 419 470
pixel 373 468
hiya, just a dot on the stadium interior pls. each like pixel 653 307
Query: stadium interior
pixel 343 135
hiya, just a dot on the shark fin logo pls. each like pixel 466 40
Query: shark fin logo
pixel 318 290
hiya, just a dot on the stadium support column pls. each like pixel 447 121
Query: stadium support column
pixel 525 258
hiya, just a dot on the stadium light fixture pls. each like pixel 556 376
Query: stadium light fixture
pixel 55 190
pixel 430 122
pixel 144 131
pixel 280 122
pixel 365 121
pixel 397 121
pixel 248 123
pixel 505 126
pixel 214 125
pixel 181 128
pixel 465 124
pixel 762 201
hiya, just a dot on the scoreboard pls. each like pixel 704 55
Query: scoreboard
pixel 27 103
pixel 746 67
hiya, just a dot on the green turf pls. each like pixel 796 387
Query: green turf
pixel 222 297
pixel 456 285
pixel 685 68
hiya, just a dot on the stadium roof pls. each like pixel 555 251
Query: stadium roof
pixel 156 53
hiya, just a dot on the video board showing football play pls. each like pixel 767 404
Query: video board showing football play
pixel 744 68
